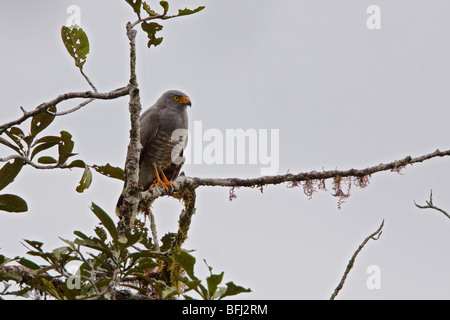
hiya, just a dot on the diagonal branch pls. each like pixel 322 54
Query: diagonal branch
pixel 430 205
pixel 63 113
pixel 43 107
pixel 88 80
pixel 374 236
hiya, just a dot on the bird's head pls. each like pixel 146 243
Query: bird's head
pixel 175 97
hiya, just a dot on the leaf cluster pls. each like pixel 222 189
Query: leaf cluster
pixel 51 152
pixel 212 290
pixel 108 268
pixel 151 28
pixel 26 147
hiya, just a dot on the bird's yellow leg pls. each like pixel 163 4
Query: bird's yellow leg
pixel 158 179
pixel 166 181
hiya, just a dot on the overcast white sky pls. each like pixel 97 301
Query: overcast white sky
pixel 341 95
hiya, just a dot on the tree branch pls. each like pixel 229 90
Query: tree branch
pixel 88 80
pixel 430 205
pixel 184 222
pixel 43 107
pixel 158 16
pixel 314 175
pixel 63 113
pixel 31 163
pixel 183 182
pixel 129 207
pixel 375 236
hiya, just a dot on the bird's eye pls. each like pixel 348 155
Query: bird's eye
pixel 176 98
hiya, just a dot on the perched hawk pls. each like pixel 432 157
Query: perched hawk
pixel 163 138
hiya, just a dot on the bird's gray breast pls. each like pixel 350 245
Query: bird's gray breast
pixel 168 139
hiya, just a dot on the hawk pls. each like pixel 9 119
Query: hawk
pixel 163 138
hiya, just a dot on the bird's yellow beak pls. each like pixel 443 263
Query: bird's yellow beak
pixel 185 100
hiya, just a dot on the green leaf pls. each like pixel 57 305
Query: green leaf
pixel 106 221
pixel 147 254
pixel 4 260
pixel 10 145
pixel 86 180
pixel 168 292
pixel 48 287
pixel 132 238
pixel 77 164
pixel 151 28
pixel 101 233
pixel 77 43
pixel 16 135
pixel 41 121
pixel 70 243
pixel 28 263
pixel 65 147
pixel 233 289
pixel 147 9
pixel 91 243
pixel 47 160
pixel 41 147
pixel 9 172
pixel 147 263
pixel 187 261
pixel 110 171
pixel 80 234
pixel 167 241
pixel 165 6
pixel 58 253
pixel 136 5
pixel 6 276
pixel 35 244
pixel 204 292
pixel 213 282
pixel 12 203
pixel 17 132
pixel 67 141
pixel 48 139
pixel 28 140
pixel 186 11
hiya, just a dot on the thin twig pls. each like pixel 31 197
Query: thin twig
pixel 31 163
pixel 88 80
pixel 148 211
pixel 374 236
pixel 63 113
pixel 81 105
pixel 158 16
pixel 430 205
